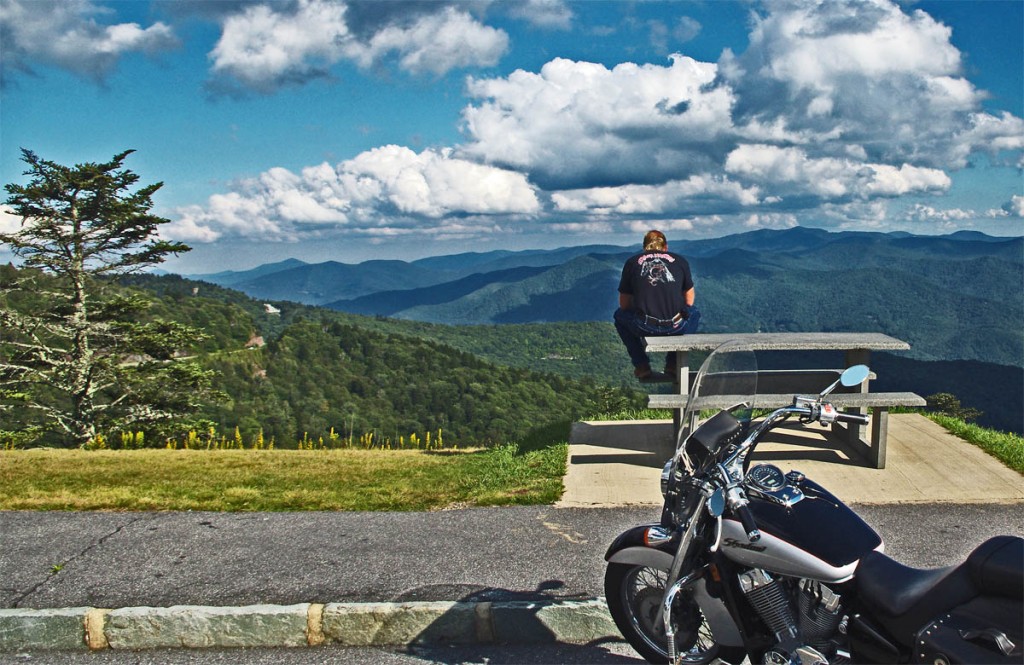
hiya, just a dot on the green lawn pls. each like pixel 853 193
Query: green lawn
pixel 278 480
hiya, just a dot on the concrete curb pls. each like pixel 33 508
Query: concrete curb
pixel 306 624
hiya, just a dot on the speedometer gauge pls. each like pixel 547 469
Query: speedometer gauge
pixel 766 477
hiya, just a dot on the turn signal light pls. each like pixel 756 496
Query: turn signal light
pixel 656 535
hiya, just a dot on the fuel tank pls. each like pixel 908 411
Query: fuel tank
pixel 818 538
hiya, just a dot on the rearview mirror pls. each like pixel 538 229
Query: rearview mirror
pixel 854 376
pixel 716 503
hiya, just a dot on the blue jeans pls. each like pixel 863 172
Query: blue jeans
pixel 633 328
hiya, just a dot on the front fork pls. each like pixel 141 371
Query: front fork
pixel 674 583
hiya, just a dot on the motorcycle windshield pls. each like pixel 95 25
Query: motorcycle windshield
pixel 727 380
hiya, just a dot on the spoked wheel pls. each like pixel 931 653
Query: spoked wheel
pixel 634 598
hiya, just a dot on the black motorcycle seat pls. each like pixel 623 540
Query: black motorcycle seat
pixel 912 596
pixel 887 585
pixel 997 567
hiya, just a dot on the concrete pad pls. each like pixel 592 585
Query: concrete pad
pixel 644 436
pixel 616 463
pixel 925 464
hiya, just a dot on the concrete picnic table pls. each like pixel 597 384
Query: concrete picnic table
pixel 776 388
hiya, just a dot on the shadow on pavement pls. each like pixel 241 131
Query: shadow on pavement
pixel 636 459
pixel 502 636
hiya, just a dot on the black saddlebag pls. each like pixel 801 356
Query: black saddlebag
pixel 988 629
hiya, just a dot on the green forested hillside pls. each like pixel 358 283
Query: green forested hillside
pixel 315 370
pixel 320 375
pixel 572 349
pixel 592 350
pixel 394 303
pixel 319 370
pixel 320 283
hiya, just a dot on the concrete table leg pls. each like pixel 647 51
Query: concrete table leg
pixel 879 434
pixel 853 432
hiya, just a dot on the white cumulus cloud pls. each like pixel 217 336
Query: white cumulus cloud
pixel 770 220
pixel 68 34
pixel 925 213
pixel 577 123
pixel 440 42
pixel 387 190
pixel 695 192
pixel 267 46
pixel 834 109
pixel 792 171
pixel 832 101
pixel 828 74
pixel 949 217
pixel 550 14
pixel 1015 207
pixel 9 222
pixel 262 47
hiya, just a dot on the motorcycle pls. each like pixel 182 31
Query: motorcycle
pixel 750 562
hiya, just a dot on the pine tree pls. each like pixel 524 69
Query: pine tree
pixel 74 357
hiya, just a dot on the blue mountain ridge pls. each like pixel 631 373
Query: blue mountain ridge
pixel 953 297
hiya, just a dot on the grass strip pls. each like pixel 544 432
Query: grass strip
pixel 278 480
pixel 1007 447
pixel 633 414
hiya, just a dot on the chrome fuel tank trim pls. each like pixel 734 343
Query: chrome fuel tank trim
pixel 778 556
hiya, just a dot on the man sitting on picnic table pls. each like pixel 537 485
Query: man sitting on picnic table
pixel 655 299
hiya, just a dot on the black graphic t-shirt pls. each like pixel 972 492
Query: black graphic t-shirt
pixel 657 281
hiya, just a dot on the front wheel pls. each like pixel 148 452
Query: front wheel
pixel 634 596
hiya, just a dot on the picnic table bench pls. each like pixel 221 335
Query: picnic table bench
pixel 775 388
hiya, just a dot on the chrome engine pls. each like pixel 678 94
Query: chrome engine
pixel 804 618
pixel 820 612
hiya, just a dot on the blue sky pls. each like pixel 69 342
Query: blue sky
pixel 341 130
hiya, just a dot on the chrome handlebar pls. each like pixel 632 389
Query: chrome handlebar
pixel 730 470
pixel 808 409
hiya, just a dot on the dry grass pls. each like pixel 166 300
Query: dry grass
pixel 277 480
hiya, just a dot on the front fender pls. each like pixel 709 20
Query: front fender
pixel 643 556
pixel 630 548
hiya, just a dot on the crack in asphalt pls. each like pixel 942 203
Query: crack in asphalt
pixel 59 567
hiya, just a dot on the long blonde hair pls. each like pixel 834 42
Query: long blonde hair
pixel 654 240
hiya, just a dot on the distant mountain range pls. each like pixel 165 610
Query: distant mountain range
pixel 952 297
pixel 332 282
